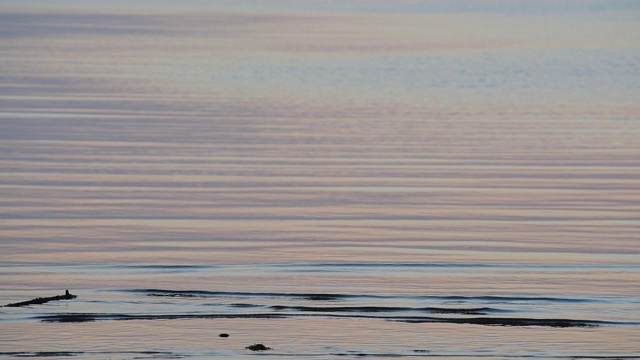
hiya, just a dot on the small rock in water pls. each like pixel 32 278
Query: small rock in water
pixel 224 335
pixel 257 347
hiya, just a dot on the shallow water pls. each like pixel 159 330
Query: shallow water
pixel 422 180
pixel 315 311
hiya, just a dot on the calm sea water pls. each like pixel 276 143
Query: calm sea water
pixel 335 180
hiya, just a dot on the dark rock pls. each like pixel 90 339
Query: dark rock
pixel 257 347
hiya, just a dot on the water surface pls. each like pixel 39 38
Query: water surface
pixel 339 180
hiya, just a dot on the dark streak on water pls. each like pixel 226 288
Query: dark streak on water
pixel 463 315
pixel 409 319
pixel 334 297
pixel 377 309
pixel 57 354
